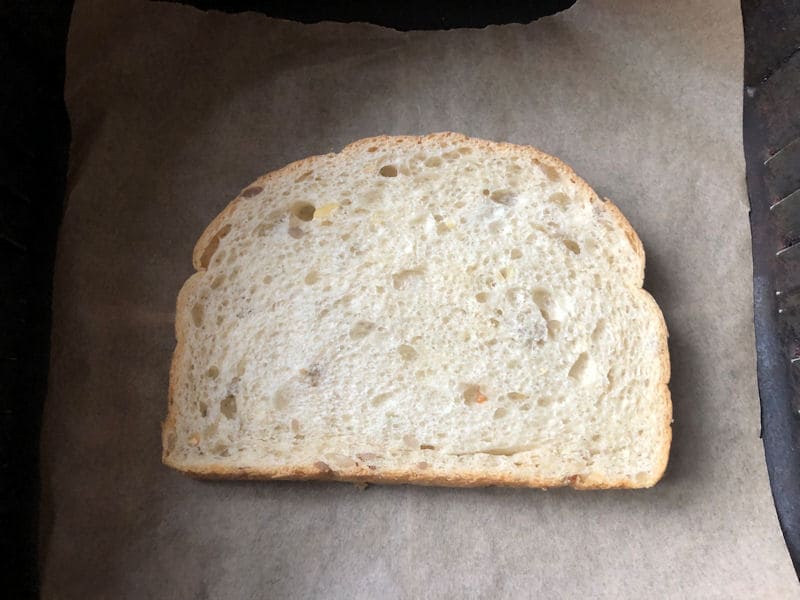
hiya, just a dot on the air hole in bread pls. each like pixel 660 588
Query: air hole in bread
pixel 578 369
pixel 403 279
pixel 311 278
pixel 500 413
pixel 281 399
pixel 541 298
pixel 220 449
pixel 553 329
pixel 344 300
pixel 505 197
pixel 380 398
pixel 516 253
pixel 212 372
pixel 303 210
pixel 433 161
pixel 481 297
pixel 197 314
pixel 241 366
pixel 427 447
pixel 572 246
pixel 550 172
pixel 388 171
pixel 599 328
pixel 407 353
pixel 472 394
pixel 296 232
pixel 372 149
pixel 228 406
pixel 213 245
pixel 262 229
pixel 361 329
pixel 560 199
pixel 543 401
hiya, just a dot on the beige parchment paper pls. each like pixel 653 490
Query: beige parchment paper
pixel 175 110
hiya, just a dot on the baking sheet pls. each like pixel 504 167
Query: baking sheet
pixel 175 110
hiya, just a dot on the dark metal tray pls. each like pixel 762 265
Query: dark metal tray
pixel 772 151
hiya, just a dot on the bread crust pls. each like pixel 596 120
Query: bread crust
pixel 433 477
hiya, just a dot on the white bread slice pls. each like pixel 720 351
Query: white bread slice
pixel 434 310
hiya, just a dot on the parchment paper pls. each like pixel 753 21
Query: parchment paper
pixel 174 111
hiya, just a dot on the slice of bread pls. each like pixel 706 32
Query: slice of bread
pixel 435 310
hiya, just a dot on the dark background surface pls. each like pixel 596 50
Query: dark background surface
pixel 33 165
pixel 771 121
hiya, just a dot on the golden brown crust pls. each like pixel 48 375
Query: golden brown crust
pixel 398 477
pixel 623 223
pixel 666 397
pixel 431 476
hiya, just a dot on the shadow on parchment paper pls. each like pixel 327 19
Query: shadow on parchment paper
pixel 688 442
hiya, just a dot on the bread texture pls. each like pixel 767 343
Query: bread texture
pixel 437 310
